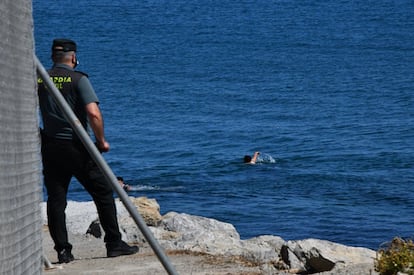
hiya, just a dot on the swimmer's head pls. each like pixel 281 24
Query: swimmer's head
pixel 247 159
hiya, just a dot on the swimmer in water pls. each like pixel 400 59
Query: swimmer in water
pixel 124 186
pixel 251 160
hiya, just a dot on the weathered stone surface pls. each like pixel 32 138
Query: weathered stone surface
pixel 149 210
pixel 79 216
pixel 262 249
pixel 175 231
pixel 320 255
pixel 292 261
pixel 201 234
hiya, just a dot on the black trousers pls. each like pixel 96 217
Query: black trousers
pixel 63 159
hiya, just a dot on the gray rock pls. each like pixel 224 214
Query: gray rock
pixel 201 234
pixel 321 256
pixel 185 232
pixel 293 262
pixel 262 249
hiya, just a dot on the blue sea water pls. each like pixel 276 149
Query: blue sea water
pixel 324 89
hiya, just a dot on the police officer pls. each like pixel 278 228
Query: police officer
pixel 64 156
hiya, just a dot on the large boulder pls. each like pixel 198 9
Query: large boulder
pixel 313 255
pixel 201 234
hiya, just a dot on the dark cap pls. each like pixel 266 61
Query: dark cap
pixel 64 45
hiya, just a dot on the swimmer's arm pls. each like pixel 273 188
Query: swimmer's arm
pixel 254 158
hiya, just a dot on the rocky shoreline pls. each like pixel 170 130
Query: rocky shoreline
pixel 180 233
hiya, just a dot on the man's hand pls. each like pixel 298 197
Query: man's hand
pixel 103 147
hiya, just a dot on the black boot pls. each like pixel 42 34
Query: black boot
pixel 120 248
pixel 65 256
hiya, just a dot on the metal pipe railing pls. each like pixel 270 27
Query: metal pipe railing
pixel 106 170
